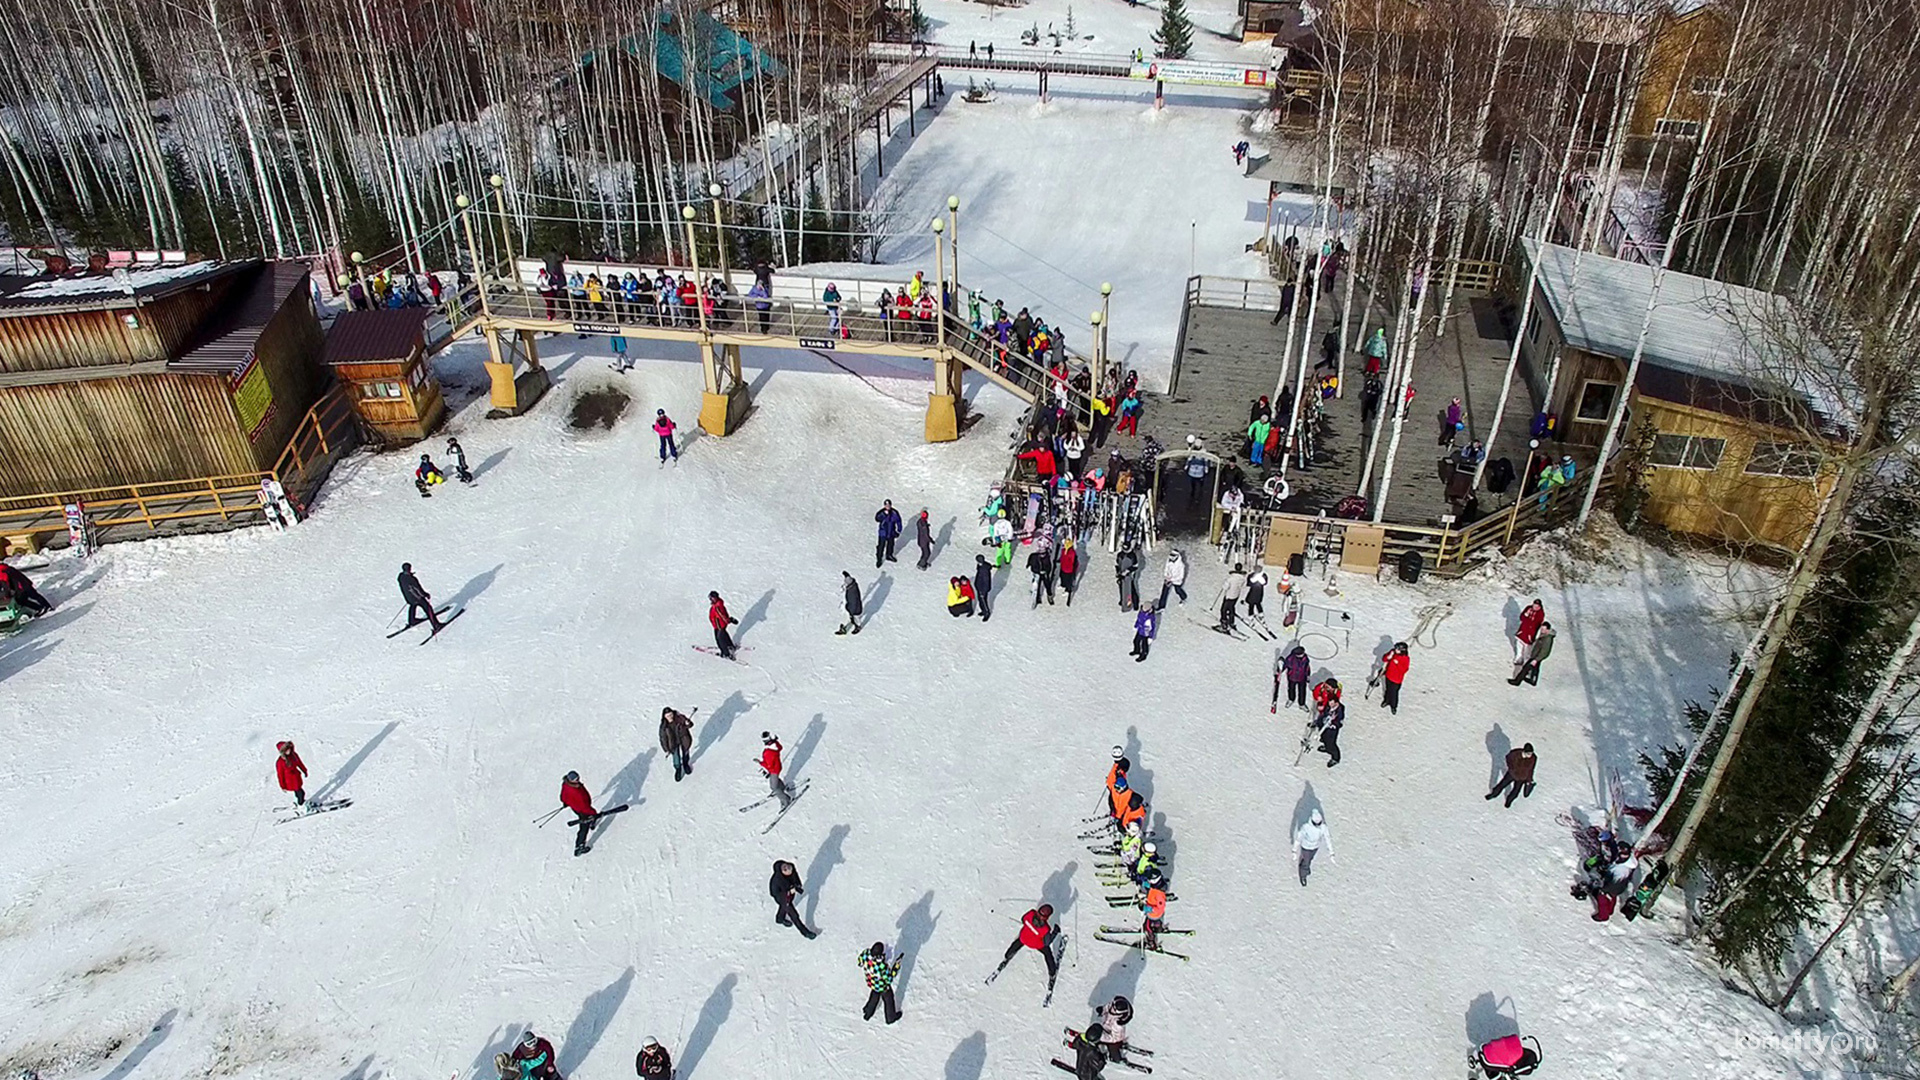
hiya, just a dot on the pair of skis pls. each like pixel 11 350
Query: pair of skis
pixel 1138 940
pixel 783 810
pixel 313 808
pixel 1117 1054
pixel 437 612
pixel 594 821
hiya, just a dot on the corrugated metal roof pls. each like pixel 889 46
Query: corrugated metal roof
pixel 361 337
pixel 26 295
pixel 226 341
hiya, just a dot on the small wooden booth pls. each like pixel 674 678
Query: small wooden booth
pixel 381 358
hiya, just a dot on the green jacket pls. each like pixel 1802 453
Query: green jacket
pixel 879 973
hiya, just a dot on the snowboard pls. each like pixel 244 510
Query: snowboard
pixel 437 612
pixel 313 808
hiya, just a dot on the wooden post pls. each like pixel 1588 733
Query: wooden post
pixel 218 503
pixel 1519 493
pixel 140 501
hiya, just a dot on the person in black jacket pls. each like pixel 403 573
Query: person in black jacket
pixel 1089 1057
pixel 783 887
pixel 13 582
pixel 923 535
pixel 851 589
pixel 417 598
pixel 653 1062
pixel 676 738
pixel 1040 564
pixel 983 587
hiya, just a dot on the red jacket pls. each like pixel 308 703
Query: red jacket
pixel 1397 665
pixel 291 770
pixel 575 798
pixel 1069 560
pixel 1042 459
pixel 717 614
pixel 1034 930
pixel 1530 621
pixel 770 758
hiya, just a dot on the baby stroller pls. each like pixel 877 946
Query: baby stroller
pixel 1509 1055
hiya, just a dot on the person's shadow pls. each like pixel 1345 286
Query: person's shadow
pixel 720 723
pixel 755 614
pixel 824 860
pixel 714 1013
pixel 1303 809
pixel 916 929
pixel 1498 744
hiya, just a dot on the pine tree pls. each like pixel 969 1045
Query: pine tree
pixel 1175 37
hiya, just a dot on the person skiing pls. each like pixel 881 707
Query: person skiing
pixel 1145 625
pixel 718 618
pixel 1113 1018
pixel 459 455
pixel 889 521
pixel 1330 718
pixel 770 750
pixel 1001 537
pixel 923 535
pixel 850 589
pixel 663 426
pixel 1173 578
pixel 1069 568
pixel 1036 932
pixel 1089 1057
pixel 982 587
pixel 1040 565
pixel 676 739
pixel 880 973
pixel 1309 840
pixel 1530 620
pixel 1528 669
pixel 427 474
pixel 291 772
pixel 783 887
pixel 1230 594
pixel 1256 594
pixel 1126 573
pixel 574 796
pixel 1296 668
pixel 534 1058
pixel 1117 783
pixel 16 584
pixel 1394 672
pixel 1153 906
pixel 417 598
pixel 1517 781
pixel 653 1062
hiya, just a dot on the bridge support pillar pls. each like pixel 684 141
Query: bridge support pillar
pixel 727 400
pixel 514 394
pixel 946 408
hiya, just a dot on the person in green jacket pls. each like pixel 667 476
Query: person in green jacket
pixel 1528 670
pixel 1257 436
pixel 880 973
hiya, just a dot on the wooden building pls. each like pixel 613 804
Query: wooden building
pixel 1686 56
pixel 1736 451
pixel 152 375
pixel 381 358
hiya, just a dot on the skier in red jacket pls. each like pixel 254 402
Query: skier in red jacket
pixel 1394 671
pixel 770 766
pixel 291 771
pixel 717 616
pixel 1036 932
pixel 574 796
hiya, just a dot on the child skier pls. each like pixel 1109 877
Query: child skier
pixel 427 474
pixel 459 455
pixel 291 772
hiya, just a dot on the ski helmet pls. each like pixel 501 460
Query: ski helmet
pixel 879 949
pixel 1155 877
pixel 1133 828
pixel 1093 1033
pixel 283 745
pixel 1317 818
pixel 529 1038
pixel 571 777
pixel 1117 751
pixel 1151 848
pixel 767 738
pixel 1121 1007
pixel 651 1043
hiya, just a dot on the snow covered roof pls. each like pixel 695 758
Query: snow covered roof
pixel 227 340
pixel 105 290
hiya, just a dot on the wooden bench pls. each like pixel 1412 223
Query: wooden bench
pixel 23 543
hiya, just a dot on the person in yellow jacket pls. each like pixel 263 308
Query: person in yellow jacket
pixel 959 598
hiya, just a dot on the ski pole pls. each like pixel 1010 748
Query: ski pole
pixel 396 616
pixel 542 821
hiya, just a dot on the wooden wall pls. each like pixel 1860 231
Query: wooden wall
pixel 43 341
pixel 289 350
pixel 1726 502
pixel 126 430
pixel 1576 368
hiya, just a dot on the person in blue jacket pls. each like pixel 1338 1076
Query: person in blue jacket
pixel 1145 626
pixel 889 521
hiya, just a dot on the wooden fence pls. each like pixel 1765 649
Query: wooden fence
pixel 328 431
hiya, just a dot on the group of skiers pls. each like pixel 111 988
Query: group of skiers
pixel 400 289
pixel 427 475
pixel 532 1058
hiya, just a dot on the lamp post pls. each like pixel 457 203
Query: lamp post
pixel 953 221
pixel 940 257
pixel 687 214
pixel 1520 492
pixel 1099 321
pixel 473 250
pixel 714 192
pixel 506 236
pixel 1106 320
pixel 360 275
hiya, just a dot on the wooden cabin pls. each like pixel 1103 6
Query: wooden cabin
pixel 154 374
pixel 381 357
pixel 1737 449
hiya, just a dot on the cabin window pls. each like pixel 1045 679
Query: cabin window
pixel 1533 325
pixel 1596 401
pixel 1783 459
pixel 376 391
pixel 417 376
pixel 1672 127
pixel 1686 452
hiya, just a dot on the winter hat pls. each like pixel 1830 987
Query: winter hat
pixel 650 1043
pixel 1045 911
pixel 287 744
pixel 1093 1033
pixel 879 950
pixel 659 412
pixel 766 736
pixel 571 777
pixel 1316 818
pixel 713 596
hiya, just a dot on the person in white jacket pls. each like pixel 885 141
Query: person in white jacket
pixel 1174 579
pixel 1311 839
pixel 1230 594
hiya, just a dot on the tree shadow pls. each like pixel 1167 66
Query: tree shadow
pixel 713 1014
pixel 1303 809
pixel 596 1012
pixel 824 860
pixel 755 614
pixel 346 771
pixel 720 723
pixel 969 1059
pixel 1486 1022
pixel 475 587
pixel 803 749
pixel 878 594
pixel 1497 746
pixel 161 1029
pixel 625 785
pixel 503 1041
pixel 1060 891
pixel 493 459
pixel 1138 779
pixel 916 928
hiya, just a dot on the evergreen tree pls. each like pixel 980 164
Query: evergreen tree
pixel 1175 37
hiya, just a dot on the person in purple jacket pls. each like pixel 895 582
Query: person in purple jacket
pixel 1297 668
pixel 1145 625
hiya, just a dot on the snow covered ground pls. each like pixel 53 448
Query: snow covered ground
pixel 157 922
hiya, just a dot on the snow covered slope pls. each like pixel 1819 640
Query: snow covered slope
pixel 415 933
